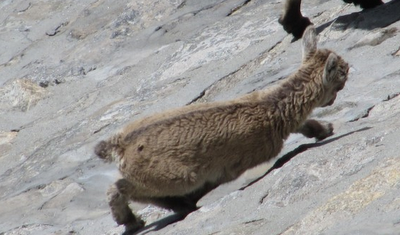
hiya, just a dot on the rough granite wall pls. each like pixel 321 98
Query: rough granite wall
pixel 73 72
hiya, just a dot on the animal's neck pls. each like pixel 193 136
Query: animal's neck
pixel 295 99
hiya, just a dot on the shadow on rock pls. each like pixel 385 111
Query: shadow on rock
pixel 287 157
pixel 369 19
pixel 160 224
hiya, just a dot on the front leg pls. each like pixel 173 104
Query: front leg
pixel 314 129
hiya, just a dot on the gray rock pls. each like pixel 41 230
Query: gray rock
pixel 21 94
pixel 114 62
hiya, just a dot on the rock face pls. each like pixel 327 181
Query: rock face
pixel 74 72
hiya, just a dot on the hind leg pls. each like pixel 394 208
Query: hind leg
pixel 118 199
pixel 314 129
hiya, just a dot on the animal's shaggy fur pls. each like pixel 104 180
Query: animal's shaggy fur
pixel 295 23
pixel 174 158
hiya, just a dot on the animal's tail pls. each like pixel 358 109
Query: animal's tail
pixel 110 150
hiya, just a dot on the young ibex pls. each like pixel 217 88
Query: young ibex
pixel 295 23
pixel 174 158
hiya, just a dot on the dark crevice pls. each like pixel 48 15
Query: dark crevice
pixel 366 112
pixel 25 8
pixel 263 197
pixel 201 95
pixel 101 128
pixel 391 96
pixel 45 203
pixel 288 156
pixel 36 187
pixel 253 221
pixel 234 10
pixel 158 28
pixel 232 77
pixel 182 5
pixel 56 30
pixel 179 18
pixel 396 53
pixel 364 115
pixel 14 59
pixel 203 9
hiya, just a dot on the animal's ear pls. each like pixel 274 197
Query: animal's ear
pixel 309 42
pixel 331 69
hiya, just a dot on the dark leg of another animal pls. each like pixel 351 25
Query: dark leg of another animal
pixel 365 4
pixel 295 23
pixel 292 20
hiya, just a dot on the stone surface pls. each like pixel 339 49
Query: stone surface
pixel 74 72
pixel 21 95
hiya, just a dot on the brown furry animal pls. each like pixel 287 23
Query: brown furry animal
pixel 174 158
pixel 295 23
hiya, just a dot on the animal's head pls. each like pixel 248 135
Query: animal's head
pixel 329 67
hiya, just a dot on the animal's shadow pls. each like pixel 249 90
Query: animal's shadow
pixel 369 19
pixel 162 223
pixel 159 224
pixel 288 156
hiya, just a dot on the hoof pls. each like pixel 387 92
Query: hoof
pixel 295 26
pixel 326 132
pixel 133 227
